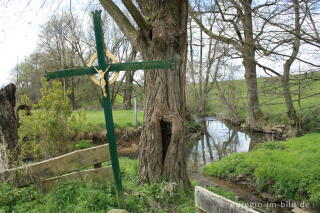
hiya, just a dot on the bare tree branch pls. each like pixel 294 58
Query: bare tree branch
pixel 136 15
pixel 265 68
pixel 122 21
pixel 211 34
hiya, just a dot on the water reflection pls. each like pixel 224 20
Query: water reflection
pixel 218 141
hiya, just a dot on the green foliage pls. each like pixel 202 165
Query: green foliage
pixel 84 144
pixel 47 132
pixel 311 119
pixel 287 168
pixel 77 196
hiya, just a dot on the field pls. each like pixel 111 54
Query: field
pixel 289 169
pixel 121 118
pixel 271 99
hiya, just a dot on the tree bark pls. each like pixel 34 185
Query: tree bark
pixel 161 143
pixel 256 120
pixel 291 112
pixel 163 37
pixel 127 94
pixel 8 127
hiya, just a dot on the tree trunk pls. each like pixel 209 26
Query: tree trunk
pixel 72 94
pixel 256 120
pixel 161 143
pixel 127 95
pixel 129 83
pixel 291 112
pixel 8 127
pixel 255 116
pixel 162 36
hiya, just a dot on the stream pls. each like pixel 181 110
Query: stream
pixel 218 141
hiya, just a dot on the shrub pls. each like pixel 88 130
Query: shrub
pixel 47 132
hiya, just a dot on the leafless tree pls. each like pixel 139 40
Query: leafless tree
pixel 237 27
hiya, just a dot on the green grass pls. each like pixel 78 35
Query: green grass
pixel 86 197
pixel 272 101
pixel 291 168
pixel 77 196
pixel 121 118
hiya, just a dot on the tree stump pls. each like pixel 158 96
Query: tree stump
pixel 8 127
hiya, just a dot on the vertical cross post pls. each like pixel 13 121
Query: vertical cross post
pixel 107 105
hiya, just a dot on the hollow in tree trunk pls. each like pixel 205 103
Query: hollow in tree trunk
pixel 162 36
pixel 161 143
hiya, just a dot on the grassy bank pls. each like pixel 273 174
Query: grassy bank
pixel 272 101
pixel 289 168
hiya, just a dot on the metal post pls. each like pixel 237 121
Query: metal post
pixel 135 115
pixel 107 107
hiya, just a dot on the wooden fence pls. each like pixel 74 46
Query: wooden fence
pixel 68 166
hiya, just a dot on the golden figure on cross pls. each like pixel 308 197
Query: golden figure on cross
pixel 101 81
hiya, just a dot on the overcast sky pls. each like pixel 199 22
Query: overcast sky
pixel 20 22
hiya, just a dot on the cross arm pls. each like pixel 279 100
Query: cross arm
pixel 146 65
pixel 70 72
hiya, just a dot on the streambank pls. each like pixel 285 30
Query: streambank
pixel 281 171
pixel 279 130
pixel 220 143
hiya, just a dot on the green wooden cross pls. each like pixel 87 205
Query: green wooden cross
pixel 115 67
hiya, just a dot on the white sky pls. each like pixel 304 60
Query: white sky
pixel 20 22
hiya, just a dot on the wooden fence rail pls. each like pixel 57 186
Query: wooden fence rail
pixel 63 167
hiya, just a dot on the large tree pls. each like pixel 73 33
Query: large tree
pixel 237 29
pixel 161 33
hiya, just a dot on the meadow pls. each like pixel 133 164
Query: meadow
pixel 121 118
pixel 305 93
